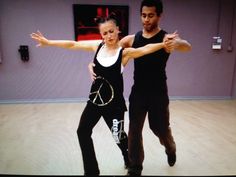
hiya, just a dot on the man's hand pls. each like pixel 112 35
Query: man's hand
pixel 171 41
pixel 174 42
pixel 91 72
pixel 171 36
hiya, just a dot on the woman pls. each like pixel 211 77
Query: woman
pixel 106 95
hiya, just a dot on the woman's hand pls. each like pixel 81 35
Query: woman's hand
pixel 38 37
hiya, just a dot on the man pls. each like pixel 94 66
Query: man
pixel 149 93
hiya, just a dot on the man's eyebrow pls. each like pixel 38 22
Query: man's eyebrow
pixel 151 13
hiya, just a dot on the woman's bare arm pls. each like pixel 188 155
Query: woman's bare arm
pixel 67 44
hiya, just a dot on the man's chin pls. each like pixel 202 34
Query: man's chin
pixel 148 29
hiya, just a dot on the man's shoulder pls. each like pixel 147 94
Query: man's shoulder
pixel 162 32
pixel 127 41
pixel 139 33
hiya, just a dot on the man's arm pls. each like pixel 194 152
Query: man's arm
pixel 91 72
pixel 183 45
pixel 176 43
pixel 127 41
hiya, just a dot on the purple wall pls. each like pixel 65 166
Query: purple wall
pixel 59 74
pixel 203 72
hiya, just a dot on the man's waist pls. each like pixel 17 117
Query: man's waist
pixel 150 84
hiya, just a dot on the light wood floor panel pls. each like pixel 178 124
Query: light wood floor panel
pixel 40 139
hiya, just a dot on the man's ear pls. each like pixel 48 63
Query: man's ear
pixel 160 15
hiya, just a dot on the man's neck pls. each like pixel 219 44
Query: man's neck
pixel 149 34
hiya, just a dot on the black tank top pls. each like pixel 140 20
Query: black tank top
pixel 109 82
pixel 149 70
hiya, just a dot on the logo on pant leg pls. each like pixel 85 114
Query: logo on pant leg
pixel 117 130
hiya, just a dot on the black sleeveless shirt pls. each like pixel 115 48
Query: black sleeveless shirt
pixel 112 79
pixel 149 70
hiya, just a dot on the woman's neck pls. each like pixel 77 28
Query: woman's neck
pixel 109 50
pixel 111 46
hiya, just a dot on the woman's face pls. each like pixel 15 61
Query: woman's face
pixel 109 32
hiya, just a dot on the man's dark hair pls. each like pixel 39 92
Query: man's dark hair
pixel 153 3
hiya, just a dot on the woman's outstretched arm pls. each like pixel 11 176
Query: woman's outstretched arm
pixel 67 44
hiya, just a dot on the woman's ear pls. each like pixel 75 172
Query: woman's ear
pixel 118 29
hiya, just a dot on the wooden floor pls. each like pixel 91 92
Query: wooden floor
pixel 40 139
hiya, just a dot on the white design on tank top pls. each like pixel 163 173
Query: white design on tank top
pixel 109 61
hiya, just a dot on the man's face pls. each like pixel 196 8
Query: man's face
pixel 149 18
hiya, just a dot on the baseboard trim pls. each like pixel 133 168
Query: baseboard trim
pixel 37 101
pixel 79 100
pixel 200 98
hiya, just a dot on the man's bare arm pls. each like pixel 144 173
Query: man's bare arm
pixel 127 41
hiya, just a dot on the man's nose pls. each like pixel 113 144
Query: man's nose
pixel 147 18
